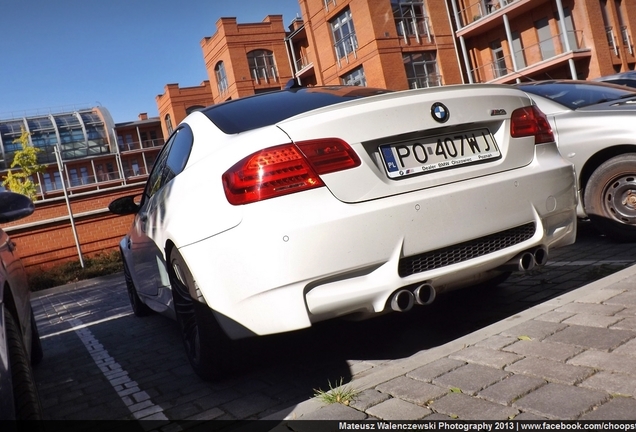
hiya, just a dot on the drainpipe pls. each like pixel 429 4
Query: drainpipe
pixel 566 41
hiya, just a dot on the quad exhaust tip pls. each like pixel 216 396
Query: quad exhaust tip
pixel 404 299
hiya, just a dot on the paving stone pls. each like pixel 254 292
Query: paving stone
pixel 469 408
pixel 485 356
pixel 625 299
pixel 537 330
pixel 434 369
pixel 590 308
pixel 412 390
pixel 397 409
pixel 367 399
pixel 471 378
pixel 249 405
pixel 628 348
pixel 614 383
pixel 548 350
pixel 618 408
pixel 334 411
pixel 629 311
pixel 511 389
pixel 625 324
pixel 592 337
pixel 496 342
pixel 529 417
pixel 551 370
pixel 561 402
pixel 600 296
pixel 606 361
pixel 591 320
pixel 555 317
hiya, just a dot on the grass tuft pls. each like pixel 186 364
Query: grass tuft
pixel 338 394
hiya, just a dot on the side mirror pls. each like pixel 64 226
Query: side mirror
pixel 124 205
pixel 14 206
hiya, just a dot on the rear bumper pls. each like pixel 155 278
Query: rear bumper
pixel 307 257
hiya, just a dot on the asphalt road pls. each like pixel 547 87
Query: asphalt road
pixel 101 362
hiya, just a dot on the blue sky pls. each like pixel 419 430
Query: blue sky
pixel 57 54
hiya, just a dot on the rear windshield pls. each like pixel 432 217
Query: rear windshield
pixel 256 111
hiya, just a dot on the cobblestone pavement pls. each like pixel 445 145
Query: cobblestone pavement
pixel 548 344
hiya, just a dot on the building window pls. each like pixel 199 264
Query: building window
pixel 410 19
pixel 354 78
pixel 221 77
pixel 421 69
pixel 262 65
pixel 344 34
pixel 499 68
pixel 546 41
pixel 168 124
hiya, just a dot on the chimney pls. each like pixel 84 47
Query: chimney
pixel 143 116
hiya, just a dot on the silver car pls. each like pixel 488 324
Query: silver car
pixel 19 339
pixel 595 128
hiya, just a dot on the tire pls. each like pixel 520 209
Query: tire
pixel 139 308
pixel 25 394
pixel 207 347
pixel 37 354
pixel 610 198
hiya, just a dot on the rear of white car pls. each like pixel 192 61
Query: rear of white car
pixel 367 206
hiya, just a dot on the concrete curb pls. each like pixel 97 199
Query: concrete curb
pixel 401 367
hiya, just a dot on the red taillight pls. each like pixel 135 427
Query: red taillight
pixel 286 169
pixel 530 121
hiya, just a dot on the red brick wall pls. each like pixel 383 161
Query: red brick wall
pixel 46 238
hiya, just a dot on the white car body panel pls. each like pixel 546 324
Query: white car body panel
pixel 284 263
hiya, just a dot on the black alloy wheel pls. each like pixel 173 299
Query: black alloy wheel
pixel 207 347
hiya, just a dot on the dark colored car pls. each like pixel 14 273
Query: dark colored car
pixel 20 346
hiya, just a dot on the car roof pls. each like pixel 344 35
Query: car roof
pixel 252 112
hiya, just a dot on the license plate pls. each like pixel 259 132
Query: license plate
pixel 439 152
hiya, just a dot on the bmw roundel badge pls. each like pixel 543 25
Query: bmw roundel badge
pixel 439 112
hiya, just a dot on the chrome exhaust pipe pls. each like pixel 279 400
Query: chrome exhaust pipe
pixel 540 256
pixel 424 294
pixel 402 300
pixel 522 262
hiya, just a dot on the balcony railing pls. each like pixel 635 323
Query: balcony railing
pixel 529 56
pixel 432 80
pixel 265 74
pixel 481 8
pixel 345 46
pixel 302 62
pixel 418 27
pixel 141 145
pixel 627 40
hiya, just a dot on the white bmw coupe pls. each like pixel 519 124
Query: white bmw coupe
pixel 269 213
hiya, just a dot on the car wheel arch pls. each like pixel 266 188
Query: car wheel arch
pixel 598 158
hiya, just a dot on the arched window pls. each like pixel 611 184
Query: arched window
pixel 221 77
pixel 168 124
pixel 262 65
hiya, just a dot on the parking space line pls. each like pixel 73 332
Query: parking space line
pixel 137 400
pixel 86 325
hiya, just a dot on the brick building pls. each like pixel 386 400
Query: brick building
pixel 396 44
pixel 100 161
pixel 504 41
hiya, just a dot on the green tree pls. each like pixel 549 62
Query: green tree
pixel 26 160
